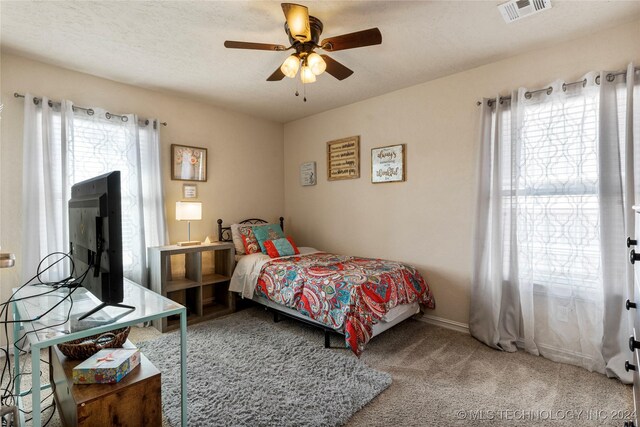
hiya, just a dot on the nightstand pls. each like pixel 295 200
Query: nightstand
pixel 195 276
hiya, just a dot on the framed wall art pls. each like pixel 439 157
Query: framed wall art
pixel 188 163
pixel 388 163
pixel 189 191
pixel 343 158
pixel 308 174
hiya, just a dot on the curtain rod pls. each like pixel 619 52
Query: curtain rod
pixel 549 90
pixel 89 111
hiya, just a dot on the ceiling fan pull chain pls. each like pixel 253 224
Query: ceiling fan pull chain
pixel 304 89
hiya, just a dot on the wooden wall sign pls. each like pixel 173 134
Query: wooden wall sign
pixel 343 158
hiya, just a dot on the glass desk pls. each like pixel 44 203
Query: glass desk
pixel 61 325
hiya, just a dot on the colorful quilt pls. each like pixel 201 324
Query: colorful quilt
pixel 346 293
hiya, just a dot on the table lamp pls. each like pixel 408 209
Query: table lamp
pixel 7 260
pixel 188 211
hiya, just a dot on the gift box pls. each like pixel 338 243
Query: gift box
pixel 106 366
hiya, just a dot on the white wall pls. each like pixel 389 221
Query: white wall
pixel 426 221
pixel 245 153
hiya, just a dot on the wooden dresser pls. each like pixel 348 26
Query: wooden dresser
pixel 632 306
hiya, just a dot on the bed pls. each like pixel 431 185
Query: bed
pixel 356 297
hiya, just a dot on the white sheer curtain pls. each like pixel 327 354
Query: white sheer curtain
pixel 554 208
pixel 44 187
pixel 62 147
pixel 156 233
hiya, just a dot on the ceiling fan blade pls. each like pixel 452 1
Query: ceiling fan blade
pixel 256 46
pixel 336 69
pixel 349 41
pixel 298 21
pixel 276 76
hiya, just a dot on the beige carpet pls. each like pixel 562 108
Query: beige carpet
pixel 446 378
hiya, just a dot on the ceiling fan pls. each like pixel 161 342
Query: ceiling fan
pixel 304 33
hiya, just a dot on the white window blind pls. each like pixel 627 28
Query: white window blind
pixel 97 146
pixel 556 193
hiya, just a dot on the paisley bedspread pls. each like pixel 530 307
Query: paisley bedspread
pixel 343 292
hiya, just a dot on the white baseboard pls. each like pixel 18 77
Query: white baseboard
pixel 444 323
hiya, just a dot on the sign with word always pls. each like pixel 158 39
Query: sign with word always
pixel 343 158
pixel 388 164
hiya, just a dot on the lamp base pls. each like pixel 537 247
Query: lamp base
pixel 189 243
pixel 7 260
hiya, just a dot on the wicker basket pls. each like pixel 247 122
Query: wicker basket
pixel 86 347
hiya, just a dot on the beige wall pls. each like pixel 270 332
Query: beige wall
pixel 245 153
pixel 427 220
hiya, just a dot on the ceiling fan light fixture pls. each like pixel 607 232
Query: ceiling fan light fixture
pixel 290 66
pixel 306 75
pixel 298 20
pixel 316 64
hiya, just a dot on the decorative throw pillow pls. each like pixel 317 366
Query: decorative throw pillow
pixel 281 247
pixel 249 241
pixel 237 239
pixel 267 232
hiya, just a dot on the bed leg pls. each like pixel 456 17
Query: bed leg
pixel 327 339
pixel 276 319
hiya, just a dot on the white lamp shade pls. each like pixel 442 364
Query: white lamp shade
pixel 316 63
pixel 188 211
pixel 290 66
pixel 306 75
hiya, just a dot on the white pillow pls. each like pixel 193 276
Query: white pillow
pixel 237 239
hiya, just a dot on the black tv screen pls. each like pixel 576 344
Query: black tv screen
pixel 95 236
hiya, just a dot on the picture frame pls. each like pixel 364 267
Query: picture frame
pixel 388 164
pixel 343 158
pixel 308 174
pixel 189 191
pixel 188 163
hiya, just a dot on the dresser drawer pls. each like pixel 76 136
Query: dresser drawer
pixel 636 385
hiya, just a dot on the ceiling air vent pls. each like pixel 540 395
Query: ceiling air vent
pixel 518 9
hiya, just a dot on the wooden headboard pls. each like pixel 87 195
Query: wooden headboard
pixel 224 233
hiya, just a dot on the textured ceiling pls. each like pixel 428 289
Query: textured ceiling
pixel 178 46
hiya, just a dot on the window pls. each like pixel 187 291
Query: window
pixel 96 146
pixel 555 193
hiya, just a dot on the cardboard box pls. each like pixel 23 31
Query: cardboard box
pixel 107 366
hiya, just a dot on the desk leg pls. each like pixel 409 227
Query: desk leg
pixel 183 365
pixel 35 385
pixel 16 351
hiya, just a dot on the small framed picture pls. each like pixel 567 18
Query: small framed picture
pixel 189 191
pixel 308 174
pixel 188 163
pixel 388 163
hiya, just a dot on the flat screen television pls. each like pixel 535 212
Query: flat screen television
pixel 95 237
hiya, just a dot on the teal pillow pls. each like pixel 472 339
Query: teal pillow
pixel 267 232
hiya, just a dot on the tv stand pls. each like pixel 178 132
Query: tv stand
pixel 103 305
